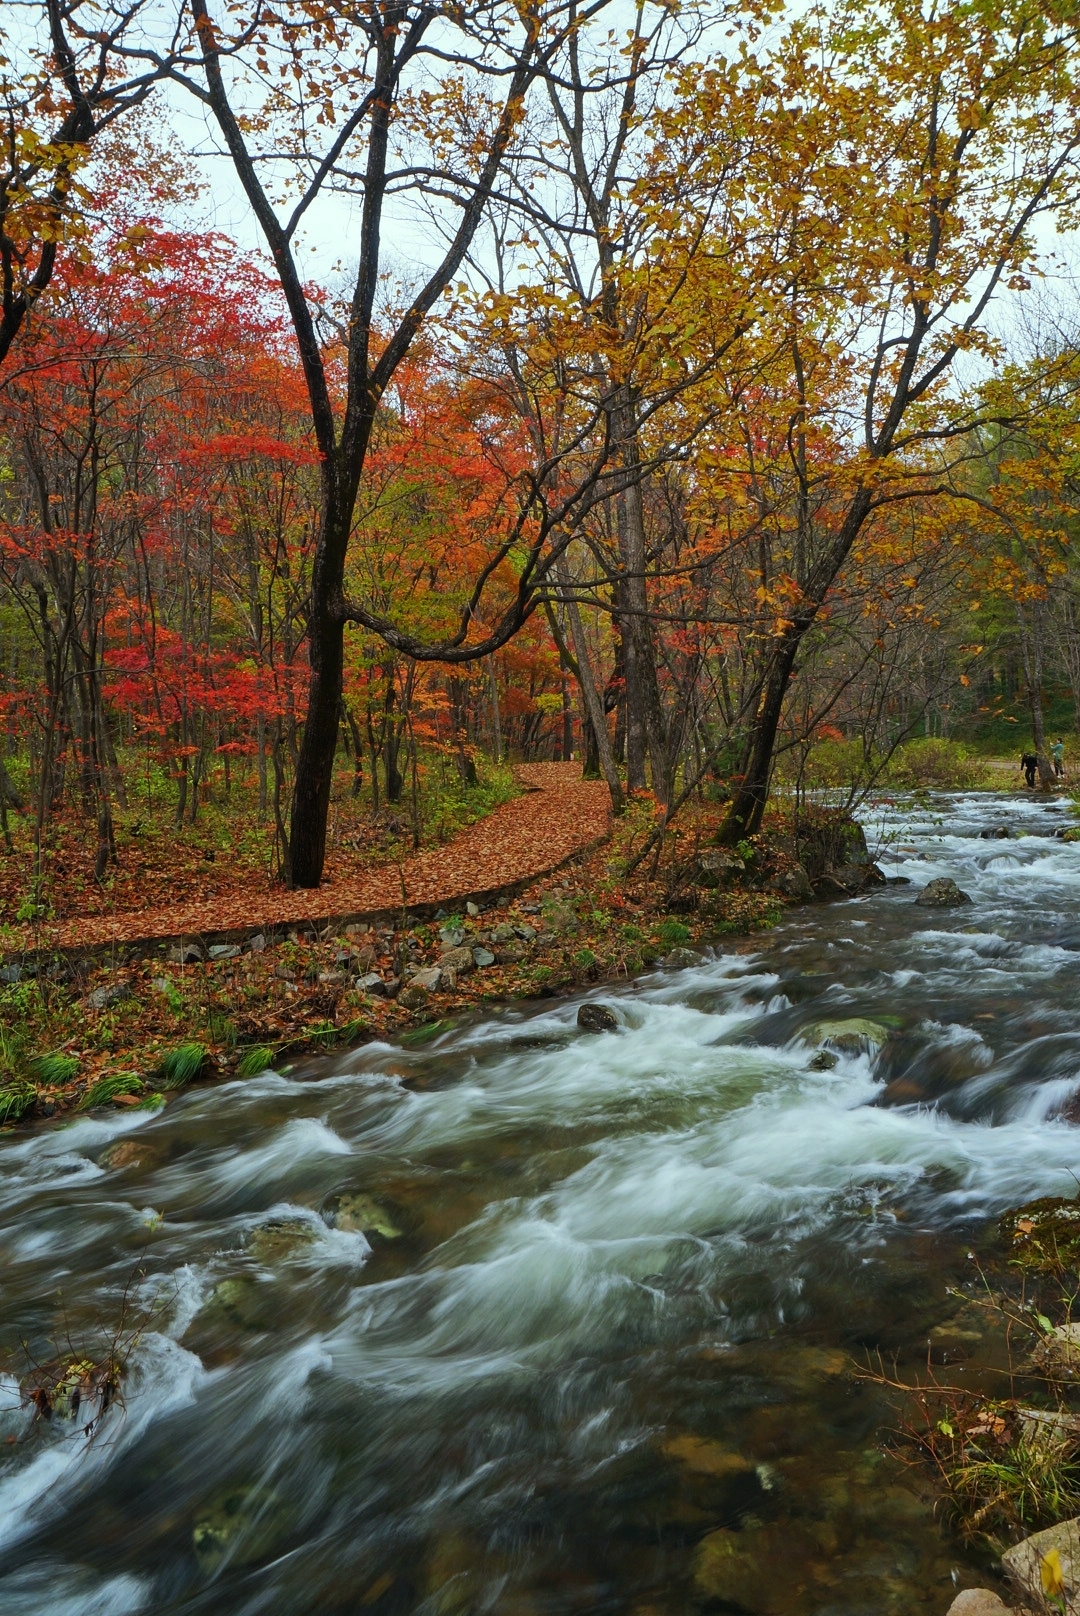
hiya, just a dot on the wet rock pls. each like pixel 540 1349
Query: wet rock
pixel 510 956
pixel 597 1018
pixel 854 1036
pixel 716 867
pixel 372 983
pixel 280 1238
pixel 824 1061
pixel 978 1602
pixel 482 957
pixel 459 960
pixel 792 885
pixel 942 893
pixel 414 996
pixel 681 959
pixel 223 951
pixel 993 833
pixel 236 1302
pixel 360 1214
pixel 186 954
pixel 1044 1235
pixel 1045 1568
pixel 109 993
pixel 128 1153
pixel 240 1524
pixel 898 881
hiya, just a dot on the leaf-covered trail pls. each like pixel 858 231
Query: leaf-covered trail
pixel 558 815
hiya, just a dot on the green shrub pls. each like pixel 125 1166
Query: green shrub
pixel 937 764
pixel 672 932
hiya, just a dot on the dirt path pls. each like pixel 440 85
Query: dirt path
pixel 558 816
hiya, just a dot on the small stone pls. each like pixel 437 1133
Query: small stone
pixel 504 933
pixel 978 1602
pixel 509 956
pixel 430 980
pixel 472 910
pixel 11 973
pixel 597 1018
pixel 994 833
pixel 365 959
pixel 529 908
pixel 681 959
pixel 344 956
pixel 332 979
pixel 279 1238
pixel 1024 1564
pixel 360 1214
pixel 223 951
pixel 451 936
pixel 109 993
pixel 854 1036
pixel 942 893
pixel 372 983
pixel 257 944
pixel 413 997
pixel 161 984
pixel 457 959
pixel 794 885
pixel 526 932
pixel 483 957
pixel 284 974
pixel 187 954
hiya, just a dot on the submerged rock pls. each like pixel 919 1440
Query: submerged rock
pixel 942 893
pixel 1045 1568
pixel 824 1061
pixel 236 1302
pixel 707 1458
pixel 597 1018
pixel 279 1238
pixel 359 1214
pixel 994 833
pixel 240 1523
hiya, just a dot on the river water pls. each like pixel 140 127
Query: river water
pixel 518 1321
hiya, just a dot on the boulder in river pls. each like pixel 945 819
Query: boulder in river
pixel 1045 1569
pixel 682 959
pixel 855 1036
pixel 360 1214
pixel 995 833
pixel 241 1524
pixel 942 893
pixel 793 884
pixel 596 1018
pixel 1043 1236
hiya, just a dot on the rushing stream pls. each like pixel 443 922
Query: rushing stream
pixel 512 1322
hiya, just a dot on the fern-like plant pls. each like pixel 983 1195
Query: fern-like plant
pixel 108 1087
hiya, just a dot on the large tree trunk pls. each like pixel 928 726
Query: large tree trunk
pixel 748 804
pixel 1031 649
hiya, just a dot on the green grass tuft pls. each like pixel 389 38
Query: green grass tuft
pixel 182 1065
pixel 673 932
pixel 15 1099
pixel 106 1088
pixel 52 1070
pixel 259 1058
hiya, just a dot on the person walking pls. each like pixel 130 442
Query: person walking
pixel 1057 752
pixel 1029 763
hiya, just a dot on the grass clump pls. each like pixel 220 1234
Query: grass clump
pixel 51 1071
pixel 672 932
pixel 15 1100
pixel 107 1088
pixel 182 1065
pixel 259 1058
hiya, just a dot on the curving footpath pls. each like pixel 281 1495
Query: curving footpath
pixel 559 817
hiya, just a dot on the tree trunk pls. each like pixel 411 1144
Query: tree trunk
pixel 594 706
pixel 1031 650
pixel 752 792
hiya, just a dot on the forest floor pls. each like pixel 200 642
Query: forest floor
pixel 527 903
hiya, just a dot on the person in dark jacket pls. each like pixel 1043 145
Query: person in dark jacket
pixel 1029 763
